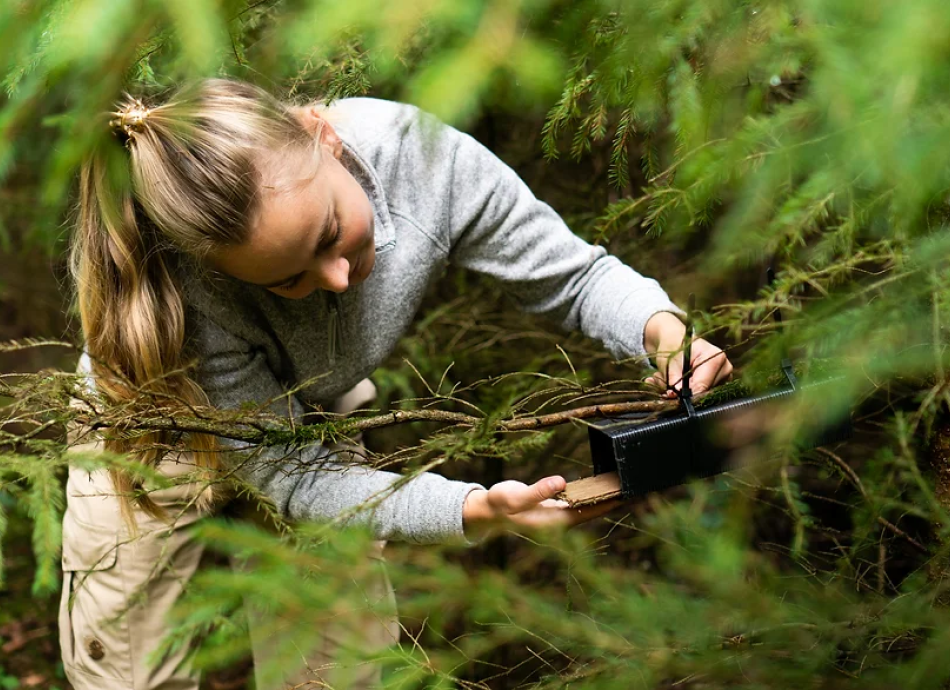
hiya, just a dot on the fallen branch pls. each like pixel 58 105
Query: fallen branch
pixel 276 431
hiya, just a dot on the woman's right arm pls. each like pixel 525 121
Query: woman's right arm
pixel 312 483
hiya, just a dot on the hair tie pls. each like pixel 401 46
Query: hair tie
pixel 130 119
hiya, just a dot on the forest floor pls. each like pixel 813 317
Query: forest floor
pixel 29 641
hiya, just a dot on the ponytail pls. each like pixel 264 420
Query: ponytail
pixel 185 185
pixel 132 315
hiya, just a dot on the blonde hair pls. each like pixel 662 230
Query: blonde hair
pixel 187 184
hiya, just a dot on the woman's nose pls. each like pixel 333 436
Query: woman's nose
pixel 334 274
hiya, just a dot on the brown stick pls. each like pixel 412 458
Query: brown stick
pixel 243 431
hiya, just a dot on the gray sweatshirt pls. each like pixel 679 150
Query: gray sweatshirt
pixel 438 198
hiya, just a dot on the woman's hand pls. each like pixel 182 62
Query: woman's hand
pixel 512 505
pixel 663 338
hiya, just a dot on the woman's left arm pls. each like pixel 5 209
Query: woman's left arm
pixel 498 227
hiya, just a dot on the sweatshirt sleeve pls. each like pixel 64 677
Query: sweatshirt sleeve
pixel 312 483
pixel 498 227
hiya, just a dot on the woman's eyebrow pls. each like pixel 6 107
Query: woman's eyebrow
pixel 324 229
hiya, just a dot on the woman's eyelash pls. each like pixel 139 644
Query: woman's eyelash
pixel 328 241
pixel 332 238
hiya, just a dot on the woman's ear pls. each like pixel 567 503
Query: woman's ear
pixel 314 122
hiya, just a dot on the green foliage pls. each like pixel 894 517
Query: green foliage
pixel 810 135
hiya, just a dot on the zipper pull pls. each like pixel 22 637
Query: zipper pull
pixel 334 327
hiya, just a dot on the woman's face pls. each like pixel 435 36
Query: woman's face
pixel 313 229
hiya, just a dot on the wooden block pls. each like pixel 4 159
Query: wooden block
pixel 591 490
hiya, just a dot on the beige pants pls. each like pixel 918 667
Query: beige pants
pixel 118 589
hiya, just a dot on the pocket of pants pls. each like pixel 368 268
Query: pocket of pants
pixel 93 626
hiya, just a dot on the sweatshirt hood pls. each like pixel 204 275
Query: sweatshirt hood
pixel 383 229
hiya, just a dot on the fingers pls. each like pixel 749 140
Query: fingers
pixel 534 506
pixel 656 382
pixel 671 369
pixel 511 497
pixel 586 513
pixel 709 367
pixel 674 374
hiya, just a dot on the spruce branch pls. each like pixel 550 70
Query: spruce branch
pixel 45 401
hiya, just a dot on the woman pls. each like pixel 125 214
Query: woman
pixel 286 250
